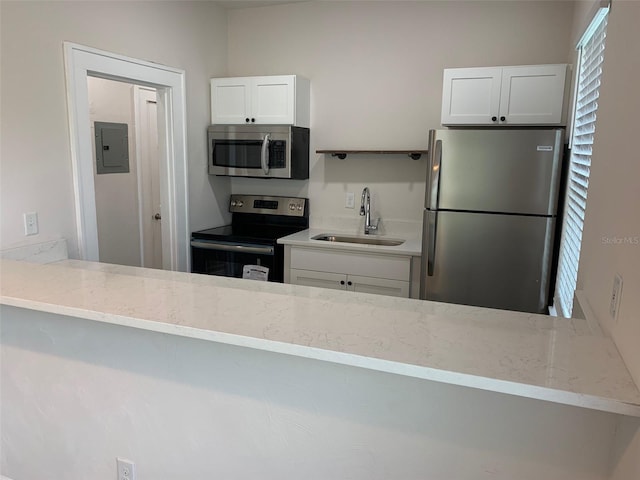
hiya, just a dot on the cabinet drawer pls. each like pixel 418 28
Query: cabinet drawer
pixel 375 265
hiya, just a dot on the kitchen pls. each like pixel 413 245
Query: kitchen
pixel 350 63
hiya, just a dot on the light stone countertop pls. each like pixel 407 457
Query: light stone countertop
pixel 553 359
pixel 412 245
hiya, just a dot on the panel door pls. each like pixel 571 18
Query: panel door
pixel 471 96
pixel 532 95
pixel 273 100
pixel 230 101
pixel 380 286
pixel 488 260
pixel 311 278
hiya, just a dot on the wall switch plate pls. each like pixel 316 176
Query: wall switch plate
pixel 615 296
pixel 126 469
pixel 350 200
pixel 30 223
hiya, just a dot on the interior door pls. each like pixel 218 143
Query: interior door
pixel 151 218
pixel 488 260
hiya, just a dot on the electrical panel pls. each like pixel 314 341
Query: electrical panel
pixel 112 147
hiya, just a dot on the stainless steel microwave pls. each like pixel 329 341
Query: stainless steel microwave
pixel 263 151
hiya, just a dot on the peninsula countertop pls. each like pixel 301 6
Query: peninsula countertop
pixel 535 356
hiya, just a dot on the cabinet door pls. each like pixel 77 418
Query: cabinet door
pixel 310 278
pixel 393 267
pixel 532 95
pixel 230 100
pixel 471 96
pixel 380 286
pixel 273 100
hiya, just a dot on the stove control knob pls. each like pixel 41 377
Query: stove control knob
pixel 299 208
pixel 240 203
pixel 233 203
pixel 292 206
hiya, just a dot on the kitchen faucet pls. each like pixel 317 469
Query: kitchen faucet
pixel 365 209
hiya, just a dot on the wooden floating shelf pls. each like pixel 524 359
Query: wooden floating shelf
pixel 342 154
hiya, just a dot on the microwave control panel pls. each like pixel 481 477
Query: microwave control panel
pixel 278 154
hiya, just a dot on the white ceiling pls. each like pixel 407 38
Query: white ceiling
pixel 253 3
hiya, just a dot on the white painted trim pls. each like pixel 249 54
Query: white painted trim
pixel 81 61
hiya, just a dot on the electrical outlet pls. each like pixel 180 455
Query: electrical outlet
pixel 350 200
pixel 615 296
pixel 30 223
pixel 126 469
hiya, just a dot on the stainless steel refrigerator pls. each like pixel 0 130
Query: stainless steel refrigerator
pixel 490 217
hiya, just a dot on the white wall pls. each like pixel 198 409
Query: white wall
pixel 76 394
pixel 376 82
pixel 35 152
pixel 116 193
pixel 611 238
pixel 612 207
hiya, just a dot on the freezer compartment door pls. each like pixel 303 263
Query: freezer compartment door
pixel 487 260
pixel 504 171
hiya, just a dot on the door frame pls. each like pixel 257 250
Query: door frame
pixel 80 62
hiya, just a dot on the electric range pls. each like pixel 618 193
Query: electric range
pixel 251 238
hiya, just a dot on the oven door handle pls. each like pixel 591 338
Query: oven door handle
pixel 226 247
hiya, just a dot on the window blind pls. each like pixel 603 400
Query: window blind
pixel 591 55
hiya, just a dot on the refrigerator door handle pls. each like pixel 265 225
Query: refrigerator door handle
pixel 435 175
pixel 432 222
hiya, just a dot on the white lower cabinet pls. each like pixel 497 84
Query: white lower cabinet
pixel 346 270
pixel 354 283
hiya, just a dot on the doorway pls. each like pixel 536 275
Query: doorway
pixel 127 192
pixel 169 83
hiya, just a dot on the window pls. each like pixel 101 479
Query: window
pixel 590 58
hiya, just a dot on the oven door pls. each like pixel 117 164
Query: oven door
pixel 228 259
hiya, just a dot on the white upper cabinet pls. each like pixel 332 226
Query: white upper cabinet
pixel 519 95
pixel 471 96
pixel 269 100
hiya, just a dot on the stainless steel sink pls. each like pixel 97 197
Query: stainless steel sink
pixel 388 242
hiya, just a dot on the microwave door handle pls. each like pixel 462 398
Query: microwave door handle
pixel 264 157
